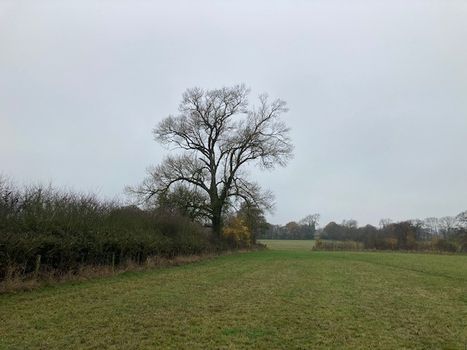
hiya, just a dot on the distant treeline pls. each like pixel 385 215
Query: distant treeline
pixel 435 234
pixel 432 234
pixel 44 229
pixel 304 229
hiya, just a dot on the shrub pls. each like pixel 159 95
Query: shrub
pixel 238 232
pixel 444 245
pixel 337 245
pixel 48 229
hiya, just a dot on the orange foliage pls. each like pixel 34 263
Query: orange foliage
pixel 238 230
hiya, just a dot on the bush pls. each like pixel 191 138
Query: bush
pixel 444 245
pixel 238 232
pixel 41 227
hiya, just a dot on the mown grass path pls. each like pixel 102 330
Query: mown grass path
pixel 277 299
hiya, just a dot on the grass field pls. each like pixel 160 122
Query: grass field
pixel 280 244
pixel 276 299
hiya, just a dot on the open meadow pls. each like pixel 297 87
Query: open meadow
pixel 291 244
pixel 273 299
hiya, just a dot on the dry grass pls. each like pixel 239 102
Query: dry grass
pixel 16 282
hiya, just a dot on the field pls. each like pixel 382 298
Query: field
pixel 296 244
pixel 275 299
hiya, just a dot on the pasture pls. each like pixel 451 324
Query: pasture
pixel 287 297
pixel 282 244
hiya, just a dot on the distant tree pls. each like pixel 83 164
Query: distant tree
pixel 351 223
pixel 420 233
pixel 254 219
pixel 461 219
pixel 432 225
pixel 310 222
pixel 369 235
pixel 348 230
pixel 404 233
pixel 219 135
pixel 293 230
pixel 307 226
pixel 384 222
pixel 272 232
pixel 461 234
pixel 447 225
pixel 333 231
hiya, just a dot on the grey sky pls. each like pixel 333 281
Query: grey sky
pixel 377 92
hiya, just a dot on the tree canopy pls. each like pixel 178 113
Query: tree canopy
pixel 218 135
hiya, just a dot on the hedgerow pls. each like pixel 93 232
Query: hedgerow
pixel 42 228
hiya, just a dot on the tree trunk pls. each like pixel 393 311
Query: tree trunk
pixel 216 217
pixel 217 224
pixel 216 206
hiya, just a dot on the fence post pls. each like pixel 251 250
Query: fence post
pixel 113 261
pixel 38 265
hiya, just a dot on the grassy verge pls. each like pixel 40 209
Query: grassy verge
pixel 294 299
pixel 86 272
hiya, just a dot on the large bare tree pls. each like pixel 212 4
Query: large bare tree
pixel 218 136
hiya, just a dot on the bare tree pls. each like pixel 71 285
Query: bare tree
pixel 461 219
pixel 219 135
pixel 447 225
pixel 351 223
pixel 310 220
pixel 183 200
pixel 384 222
pixel 432 225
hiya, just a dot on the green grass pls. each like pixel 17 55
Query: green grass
pixel 280 244
pixel 277 299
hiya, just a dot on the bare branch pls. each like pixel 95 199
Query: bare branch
pixel 219 135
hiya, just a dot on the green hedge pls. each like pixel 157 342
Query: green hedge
pixel 67 230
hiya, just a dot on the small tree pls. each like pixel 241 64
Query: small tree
pixel 219 135
pixel 237 230
pixel 254 219
pixel 310 221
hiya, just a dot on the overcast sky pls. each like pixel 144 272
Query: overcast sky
pixel 377 92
